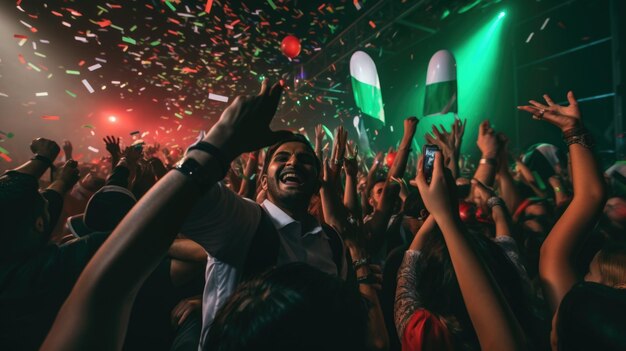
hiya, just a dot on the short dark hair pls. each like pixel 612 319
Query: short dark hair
pixel 299 138
pixel 292 307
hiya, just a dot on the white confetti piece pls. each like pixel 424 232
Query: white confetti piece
pixel 93 149
pixel 88 86
pixel 83 39
pixel 44 93
pixel 218 97
pixel 94 67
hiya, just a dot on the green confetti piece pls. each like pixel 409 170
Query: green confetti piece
pixel 116 27
pixel 132 29
pixel 102 8
pixel 220 77
pixel 3 150
pixel 40 54
pixel 34 67
pixel 170 6
pixel 89 126
pixel 70 93
pixel 155 43
pixel 129 40
pixel 178 115
pixel 69 71
pixel 188 112
pixel 329 134
pixel 271 4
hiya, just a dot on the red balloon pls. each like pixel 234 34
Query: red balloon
pixel 290 46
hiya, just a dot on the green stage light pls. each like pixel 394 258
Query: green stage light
pixel 478 70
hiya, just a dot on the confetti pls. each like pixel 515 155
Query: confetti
pixel 218 97
pixel 87 86
pixel 130 40
pixel 93 149
pixel 207 7
pixel 94 67
pixel 76 73
pixel 44 93
pixel 169 4
pixel 50 118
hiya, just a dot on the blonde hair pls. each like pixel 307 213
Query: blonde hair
pixel 612 266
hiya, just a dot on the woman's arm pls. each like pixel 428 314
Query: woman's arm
pixel 556 267
pixel 491 316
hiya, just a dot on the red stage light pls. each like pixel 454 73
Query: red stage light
pixel 112 119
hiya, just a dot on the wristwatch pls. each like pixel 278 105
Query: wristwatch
pixel 194 170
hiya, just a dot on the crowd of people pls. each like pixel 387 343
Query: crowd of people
pixel 253 239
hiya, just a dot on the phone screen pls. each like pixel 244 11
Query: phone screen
pixel 429 161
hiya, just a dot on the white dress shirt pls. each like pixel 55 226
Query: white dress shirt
pixel 224 224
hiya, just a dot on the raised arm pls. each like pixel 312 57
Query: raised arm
pixel 46 151
pixel 112 145
pixel 351 168
pixel 248 181
pixel 556 262
pixel 377 227
pixel 506 184
pixel 488 145
pixel 491 316
pixel 96 313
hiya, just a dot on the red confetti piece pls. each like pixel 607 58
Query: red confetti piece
pixel 21 58
pixel 50 118
pixel 6 157
pixel 372 24
pixel 20 36
pixel 104 23
pixel 207 7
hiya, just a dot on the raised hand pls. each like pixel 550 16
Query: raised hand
pixel 69 175
pixel 133 154
pixel 564 117
pixel 45 147
pixel 339 149
pixel 244 125
pixel 436 195
pixel 319 135
pixel 350 163
pixel 458 130
pixel 67 149
pixel 487 141
pixel 112 145
pixel 482 194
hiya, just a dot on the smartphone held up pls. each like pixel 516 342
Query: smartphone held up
pixel 429 161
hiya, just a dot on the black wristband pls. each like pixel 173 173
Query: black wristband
pixel 193 169
pixel 213 151
pixel 43 159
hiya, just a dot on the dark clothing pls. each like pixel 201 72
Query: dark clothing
pixel 33 289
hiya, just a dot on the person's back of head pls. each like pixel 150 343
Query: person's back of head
pixel 591 317
pixel 292 307
pixel 438 287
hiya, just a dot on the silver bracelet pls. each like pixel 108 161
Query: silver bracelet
pixel 495 201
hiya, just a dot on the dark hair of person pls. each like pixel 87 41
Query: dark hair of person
pixel 292 307
pixel 439 290
pixel 591 317
pixel 20 205
pixel 299 138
